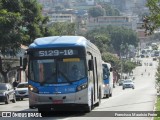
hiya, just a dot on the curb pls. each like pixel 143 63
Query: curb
pixel 154 108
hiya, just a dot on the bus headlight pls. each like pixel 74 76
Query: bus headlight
pixel 81 87
pixel 33 89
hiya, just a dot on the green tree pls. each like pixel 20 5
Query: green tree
pixel 110 11
pixel 152 21
pixel 58 8
pixel 61 28
pixel 158 77
pixel 21 21
pixel 101 40
pixel 96 11
pixel 128 66
pixel 25 20
pixel 111 58
pixel 10 34
pixel 120 35
pixel 115 37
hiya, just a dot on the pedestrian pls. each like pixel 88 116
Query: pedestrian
pixel 15 83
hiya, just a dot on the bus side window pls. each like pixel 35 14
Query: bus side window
pixel 90 65
pixel 111 69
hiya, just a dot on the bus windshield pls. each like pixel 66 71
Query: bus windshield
pixel 105 71
pixel 54 71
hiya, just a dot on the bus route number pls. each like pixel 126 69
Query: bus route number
pixel 55 52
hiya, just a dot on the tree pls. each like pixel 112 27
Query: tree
pixel 128 66
pixel 58 8
pixel 152 21
pixel 101 40
pixel 96 11
pixel 10 34
pixel 111 58
pixel 115 37
pixel 61 28
pixel 120 35
pixel 158 77
pixel 22 20
pixel 110 11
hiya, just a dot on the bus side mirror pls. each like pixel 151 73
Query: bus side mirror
pixel 24 63
pixel 111 69
pixel 90 65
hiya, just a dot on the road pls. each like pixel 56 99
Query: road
pixel 142 98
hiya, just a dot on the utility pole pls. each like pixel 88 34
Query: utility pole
pixel 121 59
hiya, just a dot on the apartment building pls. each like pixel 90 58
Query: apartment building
pixel 102 21
pixel 61 17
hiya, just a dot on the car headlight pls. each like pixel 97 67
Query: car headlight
pixel 3 93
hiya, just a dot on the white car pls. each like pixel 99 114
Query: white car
pixel 128 84
pixel 22 91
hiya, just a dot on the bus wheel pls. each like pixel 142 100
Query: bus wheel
pixel 107 95
pixel 99 101
pixel 89 108
pixel 7 100
pixel 110 95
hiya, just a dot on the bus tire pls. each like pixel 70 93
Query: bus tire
pixel 99 97
pixel 107 95
pixel 7 100
pixel 89 108
pixel 110 95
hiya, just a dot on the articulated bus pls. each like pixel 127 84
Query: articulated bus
pixel 64 72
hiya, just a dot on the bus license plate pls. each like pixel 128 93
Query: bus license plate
pixel 57 101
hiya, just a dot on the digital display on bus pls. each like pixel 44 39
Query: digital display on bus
pixel 56 52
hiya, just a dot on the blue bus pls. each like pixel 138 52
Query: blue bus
pixel 107 79
pixel 64 72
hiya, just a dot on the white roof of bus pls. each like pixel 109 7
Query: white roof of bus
pixel 54 40
pixel 108 64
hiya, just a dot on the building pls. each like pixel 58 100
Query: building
pixel 90 2
pixel 129 22
pixel 142 35
pixel 61 17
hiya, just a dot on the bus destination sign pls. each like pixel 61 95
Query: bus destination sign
pixel 63 52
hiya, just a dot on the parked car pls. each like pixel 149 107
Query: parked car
pixel 22 91
pixel 128 84
pixel 120 82
pixel 154 59
pixel 7 93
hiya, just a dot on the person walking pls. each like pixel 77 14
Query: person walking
pixel 15 83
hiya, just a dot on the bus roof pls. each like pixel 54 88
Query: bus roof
pixel 108 64
pixel 59 41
